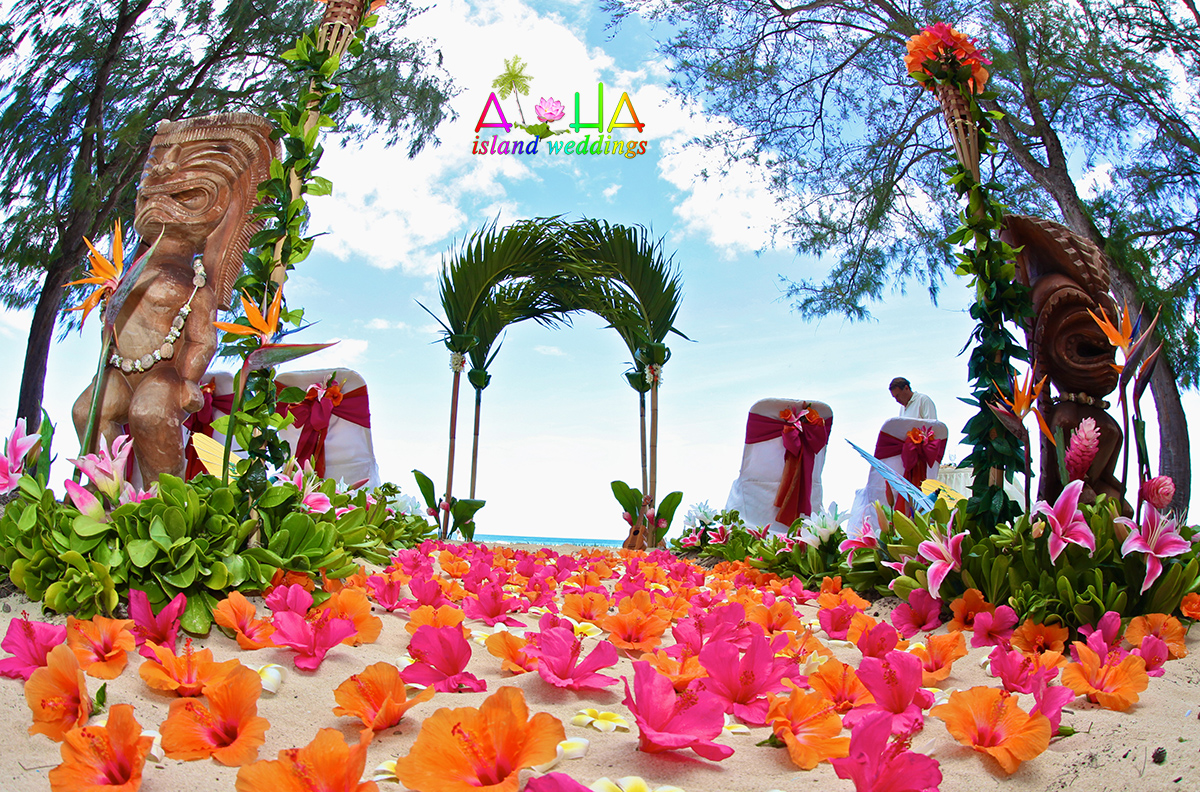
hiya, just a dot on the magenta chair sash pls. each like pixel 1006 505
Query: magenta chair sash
pixel 312 418
pixel 915 457
pixel 801 447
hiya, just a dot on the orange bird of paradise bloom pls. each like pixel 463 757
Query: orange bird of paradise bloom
pixel 103 757
pixel 1024 400
pixel 461 750
pixel 104 273
pixel 989 720
pixel 263 328
pixel 1121 338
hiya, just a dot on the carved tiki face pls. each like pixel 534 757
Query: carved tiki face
pixel 199 185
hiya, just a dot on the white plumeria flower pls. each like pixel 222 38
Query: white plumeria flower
pixel 386 772
pixel 629 784
pixel 940 696
pixel 600 721
pixel 915 646
pixel 538 610
pixel 813 663
pixel 587 630
pixel 404 661
pixel 734 726
pixel 840 643
pixel 271 676
pixel 573 748
pixel 660 587
pixel 480 636
pixel 812 623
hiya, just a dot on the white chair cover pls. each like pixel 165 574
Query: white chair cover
pixel 753 493
pixel 876 488
pixel 349 452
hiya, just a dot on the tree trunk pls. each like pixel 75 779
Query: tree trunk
pixel 37 349
pixel 645 468
pixel 445 532
pixel 475 441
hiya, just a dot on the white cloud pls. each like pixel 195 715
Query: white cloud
pixel 384 324
pixel 610 191
pixel 345 353
pixel 549 350
pixel 1096 181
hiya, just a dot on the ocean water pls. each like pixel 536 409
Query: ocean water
pixel 547 541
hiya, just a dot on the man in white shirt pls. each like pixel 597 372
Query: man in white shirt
pixel 912 404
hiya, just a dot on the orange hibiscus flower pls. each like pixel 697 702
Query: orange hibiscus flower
pixel 461 750
pixel 941 42
pixel 682 672
pixel 989 720
pixel 229 729
pixel 1168 628
pixel 443 616
pixel 236 613
pixel 57 695
pixel 965 609
pixel 1190 606
pixel 635 630
pixel 839 683
pixel 801 645
pixel 103 757
pixel 589 606
pixel 353 604
pixel 511 651
pixel 1033 639
pixel 808 724
pixel 101 644
pixel 326 764
pixel 185 676
pixel 938 655
pixel 775 619
pixel 377 696
pixel 1112 686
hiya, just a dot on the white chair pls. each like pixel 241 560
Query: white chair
pixel 349 452
pixel 876 488
pixel 754 492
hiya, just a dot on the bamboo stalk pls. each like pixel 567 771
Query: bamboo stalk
pixel 653 483
pixel 445 532
pixel 642 405
pixel 475 442
pixel 239 390
pixel 89 431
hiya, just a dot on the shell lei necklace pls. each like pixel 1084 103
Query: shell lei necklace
pixel 167 350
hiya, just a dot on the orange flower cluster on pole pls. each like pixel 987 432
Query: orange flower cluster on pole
pixel 940 51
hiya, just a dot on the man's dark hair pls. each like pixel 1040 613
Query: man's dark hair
pixel 899 382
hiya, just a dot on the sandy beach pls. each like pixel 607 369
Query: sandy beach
pixel 1109 751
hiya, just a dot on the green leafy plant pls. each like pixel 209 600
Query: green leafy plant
pixel 461 511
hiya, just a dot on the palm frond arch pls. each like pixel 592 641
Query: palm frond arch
pixel 548 269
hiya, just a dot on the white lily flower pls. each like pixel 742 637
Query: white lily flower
pixel 271 676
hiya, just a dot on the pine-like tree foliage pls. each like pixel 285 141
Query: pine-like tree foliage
pixel 82 85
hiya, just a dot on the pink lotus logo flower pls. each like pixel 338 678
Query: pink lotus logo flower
pixel 549 109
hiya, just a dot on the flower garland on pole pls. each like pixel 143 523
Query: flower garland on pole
pixel 951 65
pixel 276 249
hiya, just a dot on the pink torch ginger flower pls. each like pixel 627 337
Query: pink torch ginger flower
pixel 1085 443
pixel 671 721
pixel 1066 521
pixel 1157 537
pixel 549 109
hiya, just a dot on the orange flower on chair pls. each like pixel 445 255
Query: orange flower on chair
pixel 464 749
pixel 1168 628
pixel 327 764
pixel 989 720
pixel 809 725
pixel 938 655
pixel 229 729
pixel 1112 686
pixel 189 675
pixel 57 695
pixel 236 613
pixel 101 644
pixel 377 696
pixel 103 757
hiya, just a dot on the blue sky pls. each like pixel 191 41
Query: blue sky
pixel 559 421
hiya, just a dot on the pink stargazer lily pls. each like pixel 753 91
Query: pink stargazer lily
pixel 162 628
pixel 129 494
pixel 671 721
pixel 310 497
pixel 946 555
pixel 29 642
pixel 719 536
pixel 1066 521
pixel 86 502
pixel 1158 537
pixel 12 464
pixel 106 469
pixel 558 654
pixel 865 537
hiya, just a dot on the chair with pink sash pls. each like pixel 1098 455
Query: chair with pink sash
pixel 332 426
pixel 217 388
pixel 910 446
pixel 780 477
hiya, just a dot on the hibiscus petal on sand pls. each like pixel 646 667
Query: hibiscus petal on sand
pixel 29 642
pixel 670 721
